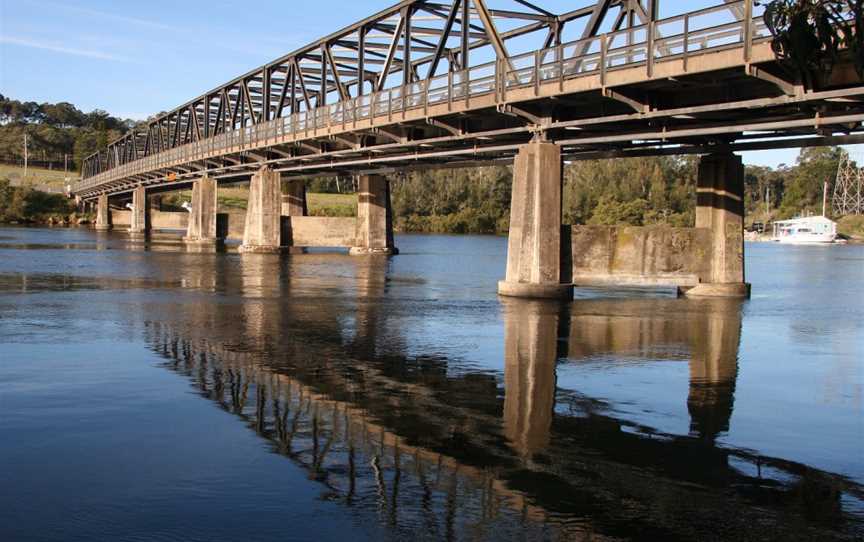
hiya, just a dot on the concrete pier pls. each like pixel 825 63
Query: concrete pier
pixel 534 244
pixel 720 209
pixel 140 224
pixel 203 226
pixel 103 213
pixel 263 232
pixel 293 205
pixel 374 217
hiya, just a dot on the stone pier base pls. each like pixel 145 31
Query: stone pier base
pixel 374 218
pixel 103 214
pixel 263 232
pixel 534 242
pixel 204 223
pixel 139 227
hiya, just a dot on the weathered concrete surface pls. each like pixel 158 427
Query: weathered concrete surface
pixel 294 199
pixel 121 218
pixel 103 214
pixel 169 220
pixel 159 220
pixel 374 217
pixel 293 205
pixel 314 231
pixel 534 244
pixel 625 255
pixel 720 208
pixel 263 232
pixel 203 221
pixel 140 223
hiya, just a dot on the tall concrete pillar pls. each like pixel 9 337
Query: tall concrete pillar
pixel 720 208
pixel 263 233
pixel 293 204
pixel 374 217
pixel 530 352
pixel 140 223
pixel 103 214
pixel 534 244
pixel 203 220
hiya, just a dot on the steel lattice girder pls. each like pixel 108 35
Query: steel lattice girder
pixel 413 40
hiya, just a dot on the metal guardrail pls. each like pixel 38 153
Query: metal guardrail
pixel 676 37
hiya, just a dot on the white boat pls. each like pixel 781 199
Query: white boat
pixel 809 230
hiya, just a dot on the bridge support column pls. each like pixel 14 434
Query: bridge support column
pixel 720 208
pixel 140 223
pixel 534 244
pixel 103 214
pixel 293 204
pixel 203 226
pixel 374 217
pixel 263 233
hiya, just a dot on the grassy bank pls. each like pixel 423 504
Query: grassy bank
pixel 852 227
pixel 235 198
pixel 36 176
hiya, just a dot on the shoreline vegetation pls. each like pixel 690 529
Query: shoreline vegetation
pixel 656 191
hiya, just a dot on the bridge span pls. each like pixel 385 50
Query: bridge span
pixel 458 83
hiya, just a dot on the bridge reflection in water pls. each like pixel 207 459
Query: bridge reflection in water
pixel 320 370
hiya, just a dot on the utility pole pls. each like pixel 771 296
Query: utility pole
pixel 767 203
pixel 825 199
pixel 25 157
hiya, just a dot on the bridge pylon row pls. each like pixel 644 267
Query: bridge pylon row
pixel 545 258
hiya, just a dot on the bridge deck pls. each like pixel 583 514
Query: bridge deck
pixel 689 83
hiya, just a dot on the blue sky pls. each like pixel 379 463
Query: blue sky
pixel 134 59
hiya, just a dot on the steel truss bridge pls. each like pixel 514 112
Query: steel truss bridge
pixel 462 82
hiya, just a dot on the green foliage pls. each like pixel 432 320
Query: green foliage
pixel 805 184
pixel 21 204
pixel 809 34
pixel 632 191
pixel 453 201
pixel 54 130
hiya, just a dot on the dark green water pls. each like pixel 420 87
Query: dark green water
pixel 149 393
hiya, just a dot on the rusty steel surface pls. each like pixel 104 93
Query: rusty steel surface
pixel 464 82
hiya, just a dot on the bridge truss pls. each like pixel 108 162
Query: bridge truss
pixel 456 82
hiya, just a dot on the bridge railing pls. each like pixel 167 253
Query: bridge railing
pixel 675 37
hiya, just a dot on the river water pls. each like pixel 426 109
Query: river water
pixel 151 393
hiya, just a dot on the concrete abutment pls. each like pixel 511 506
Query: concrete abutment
pixel 544 259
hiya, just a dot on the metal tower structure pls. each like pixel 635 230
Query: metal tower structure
pixel 848 193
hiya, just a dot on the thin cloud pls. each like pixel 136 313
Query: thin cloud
pixel 107 15
pixel 45 46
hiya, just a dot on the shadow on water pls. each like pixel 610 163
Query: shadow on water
pixel 319 369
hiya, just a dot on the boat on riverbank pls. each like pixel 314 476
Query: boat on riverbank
pixel 810 230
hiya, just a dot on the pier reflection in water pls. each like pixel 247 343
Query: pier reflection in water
pixel 315 364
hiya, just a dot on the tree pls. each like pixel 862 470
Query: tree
pixel 803 191
pixel 809 34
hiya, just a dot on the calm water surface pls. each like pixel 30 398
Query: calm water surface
pixel 150 393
